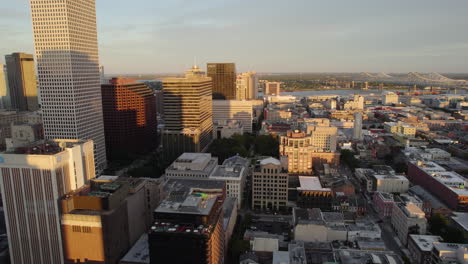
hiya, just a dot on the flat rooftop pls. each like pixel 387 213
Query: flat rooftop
pixel 425 242
pixel 45 147
pixel 191 197
pixel 461 219
pixel 311 184
pixel 139 253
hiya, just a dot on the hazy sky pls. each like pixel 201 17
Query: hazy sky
pixel 150 36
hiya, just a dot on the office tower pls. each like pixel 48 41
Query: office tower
pixel 238 110
pixel 22 81
pixel 66 47
pixel 247 86
pixel 357 132
pixel 188 224
pixel 33 178
pixel 224 80
pixel 272 88
pixel 4 93
pixel 296 148
pixel 270 185
pixel 102 75
pixel 187 114
pixel 130 124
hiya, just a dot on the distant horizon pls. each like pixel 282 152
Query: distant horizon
pixel 268 36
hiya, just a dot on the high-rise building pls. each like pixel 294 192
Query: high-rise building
pixel 269 185
pixel 130 123
pixel 102 75
pixel 188 224
pixel 240 110
pixel 22 81
pixel 357 131
pixel 247 86
pixel 4 93
pixel 187 114
pixel 357 103
pixel 33 178
pixel 272 88
pixel 224 80
pixel 65 39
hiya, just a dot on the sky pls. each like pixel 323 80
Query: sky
pixel 169 36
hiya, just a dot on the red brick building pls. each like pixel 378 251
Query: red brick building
pixel 130 122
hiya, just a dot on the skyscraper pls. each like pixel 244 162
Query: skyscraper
pixel 224 80
pixel 357 132
pixel 4 98
pixel 272 88
pixel 66 47
pixel 187 114
pixel 130 121
pixel 247 86
pixel 32 179
pixel 22 81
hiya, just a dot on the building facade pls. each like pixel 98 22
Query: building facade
pixel 188 225
pixel 223 76
pixel 240 110
pixel 130 123
pixel 4 91
pixel 22 81
pixel 272 88
pixel 33 178
pixel 269 185
pixel 188 114
pixel 65 40
pixel 406 219
pixel 357 129
pixel 247 86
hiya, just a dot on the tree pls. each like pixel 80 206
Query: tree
pixel 266 145
pixel 437 224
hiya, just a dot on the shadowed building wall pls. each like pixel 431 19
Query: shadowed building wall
pixel 130 123
pixel 22 81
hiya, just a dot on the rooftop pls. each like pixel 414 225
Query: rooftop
pixel 311 184
pixel 461 219
pixel 270 160
pixel 193 162
pixel 351 256
pixel 191 197
pixel 425 242
pixel 45 147
pixel 139 253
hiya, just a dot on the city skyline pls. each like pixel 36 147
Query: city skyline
pixel 312 37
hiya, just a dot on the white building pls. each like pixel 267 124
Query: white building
pixel 192 165
pixel 391 183
pixel 390 98
pixel 65 39
pixel 420 247
pixel 247 86
pixel 315 225
pixel 241 110
pixel 357 103
pixel 234 172
pixel 364 230
pixel 227 128
pixel 357 126
pixel 408 217
pixel 31 185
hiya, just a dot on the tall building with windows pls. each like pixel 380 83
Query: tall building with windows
pixel 187 114
pixel 269 185
pixel 224 80
pixel 247 86
pixel 65 39
pixel 4 93
pixel 272 88
pixel 130 121
pixel 32 179
pixel 22 81
pixel 357 130
pixel 239 110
